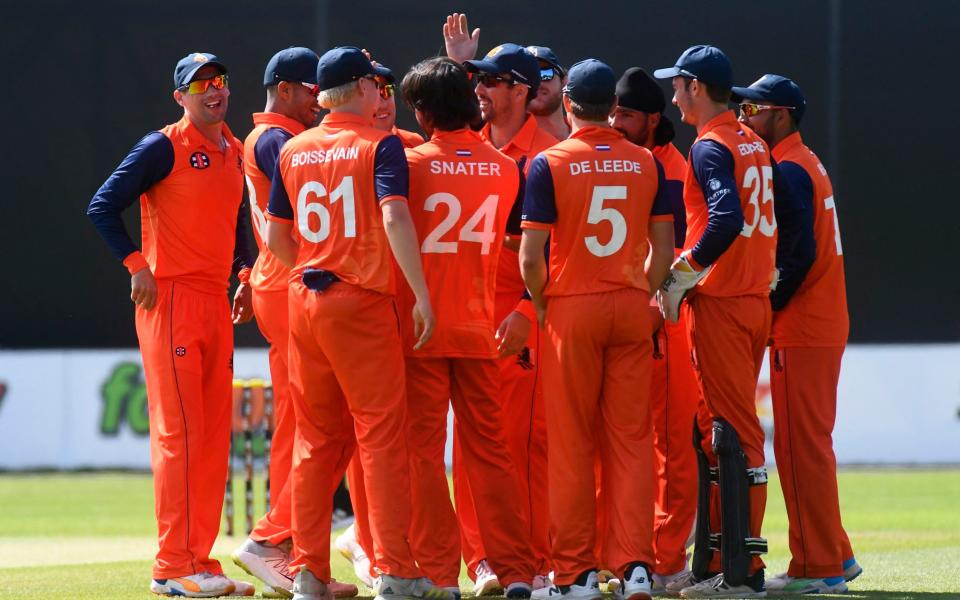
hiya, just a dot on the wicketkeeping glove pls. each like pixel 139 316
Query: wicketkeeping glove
pixel 680 280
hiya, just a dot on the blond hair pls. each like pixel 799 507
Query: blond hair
pixel 338 96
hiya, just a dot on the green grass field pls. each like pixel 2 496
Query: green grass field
pixel 92 536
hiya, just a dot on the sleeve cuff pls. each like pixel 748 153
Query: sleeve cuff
pixel 244 275
pixel 135 262
pixel 692 261
pixel 272 217
pixel 536 225
pixel 525 308
pixel 392 198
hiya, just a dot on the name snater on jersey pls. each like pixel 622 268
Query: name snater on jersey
pixel 448 167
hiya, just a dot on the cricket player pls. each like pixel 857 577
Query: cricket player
pixel 290 80
pixel 723 279
pixel 189 179
pixel 355 543
pixel 462 193
pixel 507 81
pixel 599 199
pixel 547 106
pixel 337 213
pixel 673 403
pixel 810 328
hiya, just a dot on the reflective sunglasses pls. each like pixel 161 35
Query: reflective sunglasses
pixel 748 109
pixel 200 86
pixel 547 73
pixel 387 90
pixel 488 80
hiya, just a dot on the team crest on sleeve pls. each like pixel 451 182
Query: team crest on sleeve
pixel 199 160
pixel 714 185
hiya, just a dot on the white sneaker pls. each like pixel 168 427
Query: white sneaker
pixel 401 588
pixel 267 562
pixel 797 586
pixel 198 585
pixel 306 586
pixel 487 583
pixel 242 588
pixel 586 587
pixel 347 545
pixel 636 583
pixel 541 581
pixel 716 587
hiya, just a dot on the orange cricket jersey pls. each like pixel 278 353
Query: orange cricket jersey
pixel 189 218
pixel 528 142
pixel 747 266
pixel 268 273
pixel 604 194
pixel 817 313
pixel 328 177
pixel 674 165
pixel 461 193
pixel 410 139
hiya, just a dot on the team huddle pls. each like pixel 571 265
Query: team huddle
pixel 594 306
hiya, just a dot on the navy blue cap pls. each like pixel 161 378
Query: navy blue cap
pixel 344 64
pixel 591 82
pixel 707 63
pixel 190 64
pixel 386 73
pixel 509 59
pixel 776 89
pixel 548 56
pixel 292 64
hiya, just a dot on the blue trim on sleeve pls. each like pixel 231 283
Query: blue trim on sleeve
pixel 713 167
pixel 539 202
pixel 391 174
pixel 148 162
pixel 267 149
pixel 796 246
pixel 661 202
pixel 244 250
pixel 279 204
pixel 516 212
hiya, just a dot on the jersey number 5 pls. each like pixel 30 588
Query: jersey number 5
pixel 598 214
pixel 485 236
pixel 760 185
pixel 344 192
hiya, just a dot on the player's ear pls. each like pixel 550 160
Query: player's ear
pixel 653 120
pixel 178 97
pixel 613 108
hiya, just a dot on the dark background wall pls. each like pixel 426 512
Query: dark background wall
pixel 86 80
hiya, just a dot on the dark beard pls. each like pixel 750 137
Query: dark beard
pixel 549 109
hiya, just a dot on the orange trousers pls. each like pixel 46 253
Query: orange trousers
pixel 524 426
pixel 186 341
pixel 673 404
pixel 346 364
pixel 727 337
pixel 471 386
pixel 271 311
pixel 803 382
pixel 596 370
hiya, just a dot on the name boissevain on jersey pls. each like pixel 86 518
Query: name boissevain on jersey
pixel 610 165
pixel 315 157
pixel 456 167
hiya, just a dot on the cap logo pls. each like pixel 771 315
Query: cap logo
pixel 533 50
pixel 200 58
pixel 494 52
pixel 199 160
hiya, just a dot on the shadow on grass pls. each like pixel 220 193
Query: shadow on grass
pixel 881 595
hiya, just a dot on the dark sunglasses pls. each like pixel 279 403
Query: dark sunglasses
pixel 488 80
pixel 548 73
pixel 748 109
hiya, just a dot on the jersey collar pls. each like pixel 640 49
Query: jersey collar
pixel 786 145
pixel 346 118
pixel 522 140
pixel 596 132
pixel 724 119
pixel 458 136
pixel 194 138
pixel 278 120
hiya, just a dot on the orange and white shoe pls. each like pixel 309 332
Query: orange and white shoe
pixel 198 585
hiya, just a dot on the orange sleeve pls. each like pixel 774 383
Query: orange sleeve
pixel 135 262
